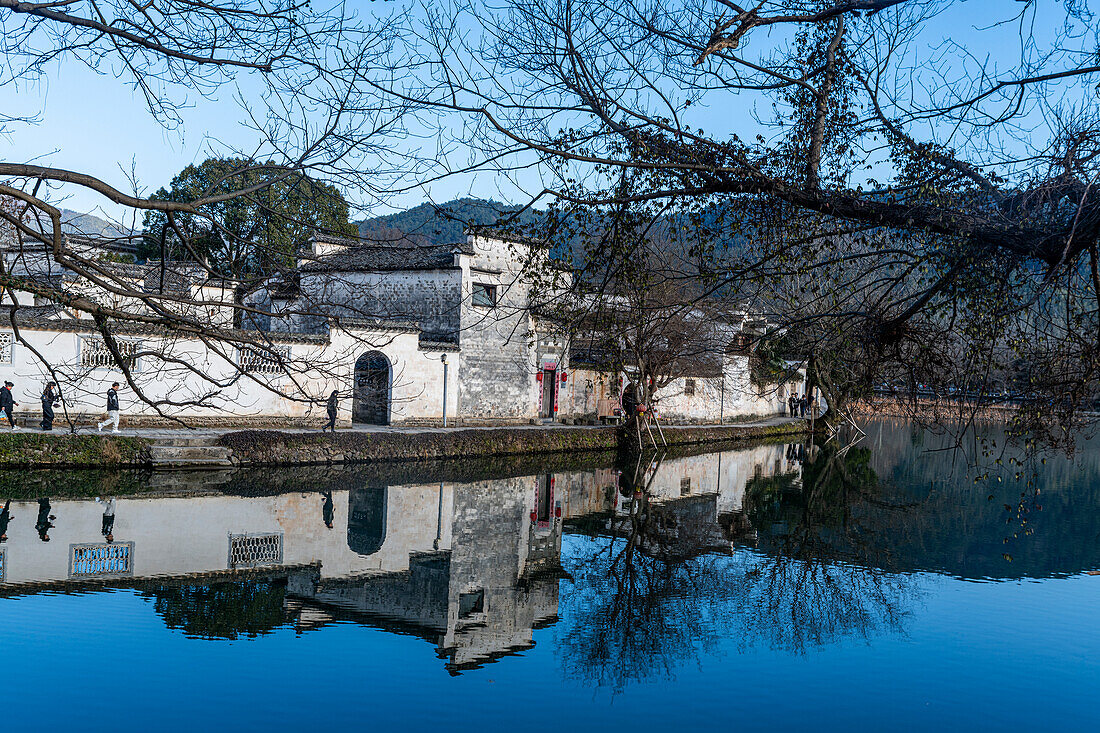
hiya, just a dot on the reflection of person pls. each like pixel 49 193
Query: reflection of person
pixel 327 510
pixel 7 404
pixel 112 410
pixel 49 399
pixel 45 520
pixel 5 517
pixel 108 528
pixel 332 406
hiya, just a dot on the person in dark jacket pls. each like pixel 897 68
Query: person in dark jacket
pixel 630 400
pixel 112 409
pixel 5 517
pixel 49 399
pixel 8 404
pixel 332 406
pixel 45 520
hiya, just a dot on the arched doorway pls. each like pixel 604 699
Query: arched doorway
pixel 371 401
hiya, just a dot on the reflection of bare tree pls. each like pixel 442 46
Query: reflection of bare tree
pixel 825 570
pixel 638 601
pixel 658 584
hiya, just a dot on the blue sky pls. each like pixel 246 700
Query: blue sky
pixel 93 123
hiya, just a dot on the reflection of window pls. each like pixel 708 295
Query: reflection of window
pixel 101 559
pixel 543 499
pixel 254 550
pixel 268 361
pixel 689 387
pixel 94 353
pixel 484 295
pixel 6 340
pixel 685 486
pixel 471 603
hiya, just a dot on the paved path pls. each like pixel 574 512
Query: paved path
pixel 157 434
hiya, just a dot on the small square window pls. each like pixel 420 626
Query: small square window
pixel 689 387
pixel 484 295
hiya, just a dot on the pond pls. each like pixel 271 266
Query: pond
pixel 883 584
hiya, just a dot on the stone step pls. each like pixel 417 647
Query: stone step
pixel 170 452
pixel 186 441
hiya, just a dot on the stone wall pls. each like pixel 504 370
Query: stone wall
pixel 498 355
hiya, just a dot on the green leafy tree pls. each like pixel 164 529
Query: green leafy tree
pixel 243 235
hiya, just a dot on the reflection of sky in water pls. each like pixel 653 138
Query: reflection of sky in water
pixel 893 607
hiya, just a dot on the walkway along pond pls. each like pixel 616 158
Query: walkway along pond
pixel 176 449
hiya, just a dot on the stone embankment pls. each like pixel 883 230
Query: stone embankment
pixel 181 450
pixel 66 450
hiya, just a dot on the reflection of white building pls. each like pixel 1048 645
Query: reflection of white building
pixel 472 567
pixel 704 494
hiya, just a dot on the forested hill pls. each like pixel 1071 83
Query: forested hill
pixel 440 223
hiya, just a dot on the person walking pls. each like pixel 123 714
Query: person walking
pixel 8 404
pixel 49 401
pixel 791 402
pixel 333 407
pixel 802 406
pixel 112 410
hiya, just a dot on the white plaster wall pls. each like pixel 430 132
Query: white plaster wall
pixel 417 378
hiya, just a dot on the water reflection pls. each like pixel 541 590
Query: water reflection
pixel 641 566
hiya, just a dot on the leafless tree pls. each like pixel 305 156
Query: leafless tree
pixel 307 81
pixel 924 179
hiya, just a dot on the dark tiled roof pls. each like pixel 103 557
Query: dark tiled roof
pixel 381 324
pixel 365 255
pixel 32 321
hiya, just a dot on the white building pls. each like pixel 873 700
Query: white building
pixel 393 327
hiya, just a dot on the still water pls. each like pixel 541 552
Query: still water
pixel 886 585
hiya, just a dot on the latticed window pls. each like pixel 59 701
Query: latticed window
pixel 101 559
pixel 94 354
pixel 3 565
pixel 268 361
pixel 6 341
pixel 255 550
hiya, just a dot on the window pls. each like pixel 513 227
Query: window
pixel 484 295
pixel 689 387
pixel 267 361
pixel 6 341
pixel 95 355
pixel 685 486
